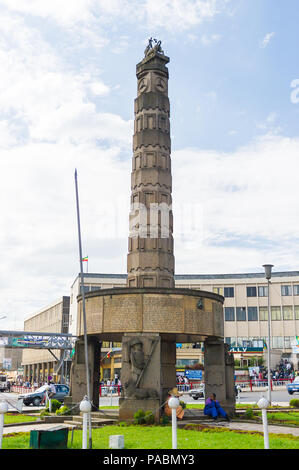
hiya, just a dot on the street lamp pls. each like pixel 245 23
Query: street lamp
pixel 268 272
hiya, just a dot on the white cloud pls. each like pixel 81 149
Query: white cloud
pixel 248 200
pixel 47 100
pixel 208 40
pixel 173 15
pixel 266 40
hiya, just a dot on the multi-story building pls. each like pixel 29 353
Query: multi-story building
pixel 40 363
pixel 245 309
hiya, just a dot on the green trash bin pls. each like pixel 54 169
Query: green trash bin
pixel 53 438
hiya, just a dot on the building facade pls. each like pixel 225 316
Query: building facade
pixel 38 364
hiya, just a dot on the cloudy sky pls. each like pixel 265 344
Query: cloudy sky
pixel 67 86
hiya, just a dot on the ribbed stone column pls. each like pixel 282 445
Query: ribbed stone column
pixel 150 258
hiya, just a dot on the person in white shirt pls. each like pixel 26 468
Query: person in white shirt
pixel 52 390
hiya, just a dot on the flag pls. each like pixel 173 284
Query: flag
pixel 85 259
pixel 264 345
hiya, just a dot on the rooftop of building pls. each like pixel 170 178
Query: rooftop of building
pixel 186 277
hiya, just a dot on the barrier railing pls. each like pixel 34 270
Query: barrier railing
pixel 21 389
pixel 107 390
pixel 259 383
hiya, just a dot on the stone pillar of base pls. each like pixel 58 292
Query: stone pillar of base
pixel 219 374
pixel 78 372
pixel 147 374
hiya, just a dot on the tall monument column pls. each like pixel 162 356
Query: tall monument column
pixel 150 260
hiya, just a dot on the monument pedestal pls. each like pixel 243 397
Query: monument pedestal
pixel 147 375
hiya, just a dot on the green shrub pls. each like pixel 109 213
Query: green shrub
pixel 164 420
pixel 149 417
pixel 294 402
pixel 248 413
pixel 55 406
pixel 44 413
pixel 63 410
pixel 139 417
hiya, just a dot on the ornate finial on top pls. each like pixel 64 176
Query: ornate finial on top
pixel 150 49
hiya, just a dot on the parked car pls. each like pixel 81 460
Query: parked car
pixel 294 386
pixel 3 383
pixel 197 393
pixel 35 398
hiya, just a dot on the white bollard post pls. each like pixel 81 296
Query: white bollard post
pixel 110 395
pixel 85 407
pixel 266 432
pixel 3 410
pixel 174 403
pixel 263 404
pixel 239 399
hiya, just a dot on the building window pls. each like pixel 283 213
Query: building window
pixel 252 314
pixel 229 313
pixel 242 342
pixel 263 291
pixel 231 341
pixel 251 291
pixel 277 342
pixel 287 342
pixel 229 292
pixel 186 362
pixel 218 290
pixel 241 314
pixel 296 290
pixel 287 312
pixel 263 312
pixel 286 290
pixel 275 313
pixel 296 312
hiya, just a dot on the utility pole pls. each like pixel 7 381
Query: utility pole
pixel 84 310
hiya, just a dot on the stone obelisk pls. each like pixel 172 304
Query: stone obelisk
pixel 150 260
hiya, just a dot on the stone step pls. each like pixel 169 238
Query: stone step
pixel 78 420
pixel 74 424
pixel 195 415
pixel 78 425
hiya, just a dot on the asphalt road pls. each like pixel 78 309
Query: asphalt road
pixel 280 396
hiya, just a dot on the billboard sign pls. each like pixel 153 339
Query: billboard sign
pixel 193 374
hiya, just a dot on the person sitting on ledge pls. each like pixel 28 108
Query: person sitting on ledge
pixel 212 408
pixel 167 410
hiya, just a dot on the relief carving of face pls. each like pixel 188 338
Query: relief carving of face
pixel 142 85
pixel 160 84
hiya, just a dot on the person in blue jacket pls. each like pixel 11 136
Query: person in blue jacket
pixel 212 408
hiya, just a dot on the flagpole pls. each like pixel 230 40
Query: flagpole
pixel 83 304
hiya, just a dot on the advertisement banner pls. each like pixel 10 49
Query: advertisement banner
pixel 193 374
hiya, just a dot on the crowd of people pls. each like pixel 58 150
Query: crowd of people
pixel 113 385
pixel 184 383
pixel 283 371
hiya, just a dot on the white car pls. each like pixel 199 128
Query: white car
pixel 198 392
